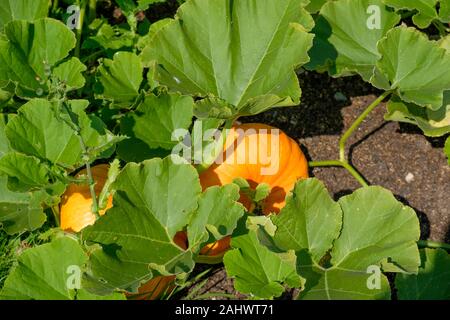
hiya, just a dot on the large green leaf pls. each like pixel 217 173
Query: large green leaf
pixel 413 66
pixel 25 172
pixel 44 273
pixel 217 215
pixel 153 201
pixel 120 79
pixel 4 143
pixel 30 52
pixel 259 271
pixel 425 10
pixel 310 220
pixel 344 48
pixel 375 228
pixel 20 211
pixel 40 130
pixel 167 189
pixel 433 280
pixel 433 123
pixel 239 51
pixel 22 10
pixel 156 118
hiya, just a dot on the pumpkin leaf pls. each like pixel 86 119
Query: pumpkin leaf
pixel 433 123
pixel 444 11
pixel 20 211
pixel 153 201
pixel 108 37
pixel 310 220
pixel 314 6
pixel 344 48
pixel 120 79
pixel 156 118
pixel 259 271
pixel 4 143
pixel 31 50
pixel 22 10
pixel 432 282
pixel 70 72
pixel 426 10
pixel 216 217
pixel 414 67
pixel 25 173
pixel 217 51
pixel 39 130
pixel 375 227
pixel 258 194
pixel 445 43
pixel 48 272
pixel 262 191
pixel 130 7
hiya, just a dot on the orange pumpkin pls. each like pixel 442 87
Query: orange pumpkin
pixel 76 204
pixel 241 159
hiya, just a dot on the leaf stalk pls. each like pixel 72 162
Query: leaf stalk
pixel 357 123
pixel 343 161
pixel 433 244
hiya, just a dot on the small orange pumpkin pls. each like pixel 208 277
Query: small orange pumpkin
pixel 76 204
pixel 287 161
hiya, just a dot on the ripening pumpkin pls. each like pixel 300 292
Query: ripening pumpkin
pixel 76 203
pixel 287 161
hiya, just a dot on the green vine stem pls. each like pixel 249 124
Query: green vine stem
pixel 339 163
pixel 357 123
pixel 433 244
pixel 91 181
pixel 343 162
pixel 55 5
pixel 55 211
pixel 92 10
pixel 441 28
